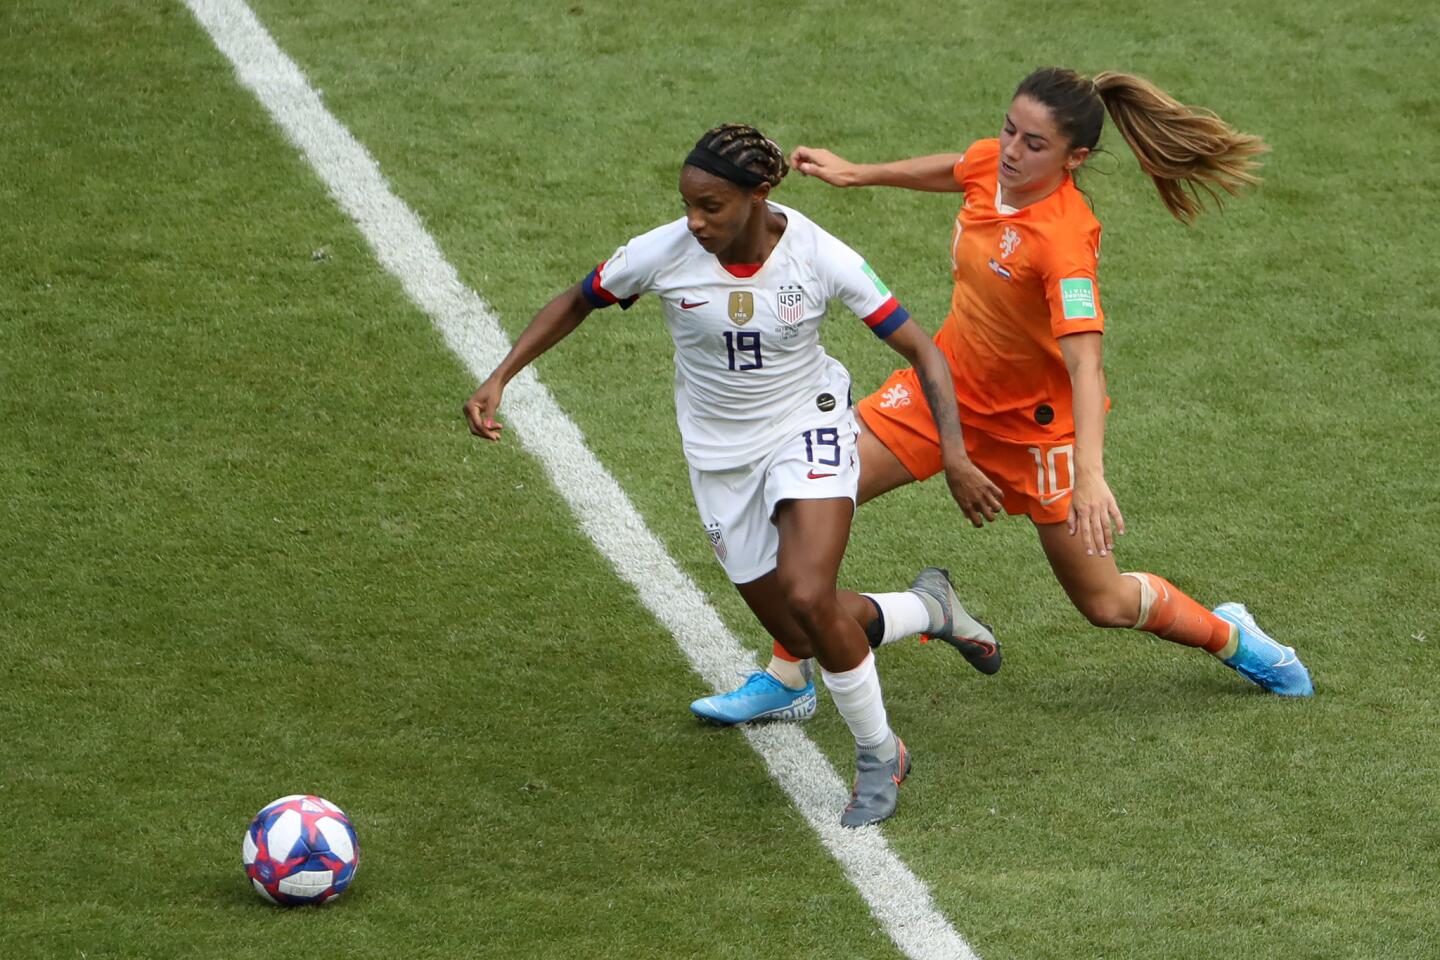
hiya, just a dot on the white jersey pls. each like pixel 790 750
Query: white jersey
pixel 748 361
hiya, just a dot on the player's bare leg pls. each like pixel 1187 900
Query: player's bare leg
pixel 880 470
pixel 813 534
pixel 1145 601
pixel 785 690
pixel 929 607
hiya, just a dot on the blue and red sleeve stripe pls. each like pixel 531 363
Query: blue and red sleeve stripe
pixel 887 318
pixel 599 297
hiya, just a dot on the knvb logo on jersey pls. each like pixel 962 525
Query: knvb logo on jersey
pixel 895 397
pixel 790 303
pixel 742 307
pixel 1009 240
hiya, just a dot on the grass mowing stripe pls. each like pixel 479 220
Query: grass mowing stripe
pixel 895 895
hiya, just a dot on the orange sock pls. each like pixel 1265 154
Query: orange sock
pixel 1173 616
pixel 782 654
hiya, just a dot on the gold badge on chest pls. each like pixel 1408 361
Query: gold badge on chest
pixel 742 307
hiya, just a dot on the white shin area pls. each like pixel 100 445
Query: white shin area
pixel 857 696
pixel 904 614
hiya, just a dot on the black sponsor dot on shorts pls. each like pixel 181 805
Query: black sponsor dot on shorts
pixel 825 402
pixel 1044 414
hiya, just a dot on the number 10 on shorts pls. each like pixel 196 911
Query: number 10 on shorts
pixel 1054 466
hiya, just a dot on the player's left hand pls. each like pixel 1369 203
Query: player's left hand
pixel 1093 510
pixel 480 410
pixel 978 496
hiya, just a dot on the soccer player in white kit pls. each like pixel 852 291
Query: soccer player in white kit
pixel 765 417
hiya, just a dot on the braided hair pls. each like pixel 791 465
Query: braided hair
pixel 747 148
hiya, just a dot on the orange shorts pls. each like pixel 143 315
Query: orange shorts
pixel 1035 477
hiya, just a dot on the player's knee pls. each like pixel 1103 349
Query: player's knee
pixel 812 603
pixel 1109 609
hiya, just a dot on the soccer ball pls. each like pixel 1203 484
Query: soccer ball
pixel 300 849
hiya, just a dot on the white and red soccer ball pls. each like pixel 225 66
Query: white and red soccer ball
pixel 300 849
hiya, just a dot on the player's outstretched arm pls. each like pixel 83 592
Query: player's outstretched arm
pixel 933 173
pixel 555 321
pixel 1094 513
pixel 978 496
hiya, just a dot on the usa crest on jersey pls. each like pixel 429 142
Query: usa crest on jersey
pixel 790 304
pixel 717 540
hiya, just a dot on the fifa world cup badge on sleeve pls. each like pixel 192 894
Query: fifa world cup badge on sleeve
pixel 1077 295
pixel 879 284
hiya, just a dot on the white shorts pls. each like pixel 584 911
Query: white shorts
pixel 737 506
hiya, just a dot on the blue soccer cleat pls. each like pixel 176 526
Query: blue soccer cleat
pixel 760 697
pixel 1261 660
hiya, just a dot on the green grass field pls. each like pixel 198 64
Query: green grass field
pixel 247 547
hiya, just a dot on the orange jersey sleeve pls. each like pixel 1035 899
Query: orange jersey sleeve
pixel 1072 289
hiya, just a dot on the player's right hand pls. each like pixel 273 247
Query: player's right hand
pixel 819 162
pixel 480 410
pixel 978 496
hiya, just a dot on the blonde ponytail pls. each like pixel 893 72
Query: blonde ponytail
pixel 1185 150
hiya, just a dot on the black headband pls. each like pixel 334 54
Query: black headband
pixel 711 162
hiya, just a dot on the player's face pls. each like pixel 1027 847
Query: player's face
pixel 716 210
pixel 1034 153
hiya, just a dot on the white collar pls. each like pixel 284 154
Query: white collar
pixel 1004 209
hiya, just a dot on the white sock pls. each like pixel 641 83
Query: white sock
pixel 903 613
pixel 792 673
pixel 857 696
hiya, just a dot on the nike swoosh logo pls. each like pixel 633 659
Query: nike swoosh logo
pixel 812 475
pixel 687 305
pixel 1286 658
pixel 1046 501
pixel 899 778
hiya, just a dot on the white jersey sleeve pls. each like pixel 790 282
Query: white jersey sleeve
pixel 850 280
pixel 631 270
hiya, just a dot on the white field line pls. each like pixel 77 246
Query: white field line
pixel 898 899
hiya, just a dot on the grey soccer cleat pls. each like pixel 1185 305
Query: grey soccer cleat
pixel 950 622
pixel 877 786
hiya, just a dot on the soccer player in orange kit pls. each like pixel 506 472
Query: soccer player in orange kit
pixel 1023 339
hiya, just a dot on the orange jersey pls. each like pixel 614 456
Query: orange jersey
pixel 1023 279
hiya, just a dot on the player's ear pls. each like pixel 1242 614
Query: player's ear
pixel 1076 157
pixel 758 194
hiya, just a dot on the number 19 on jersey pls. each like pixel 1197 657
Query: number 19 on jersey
pixel 743 348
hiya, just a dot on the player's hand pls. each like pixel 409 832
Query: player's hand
pixel 819 162
pixel 480 410
pixel 979 499
pixel 1093 511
